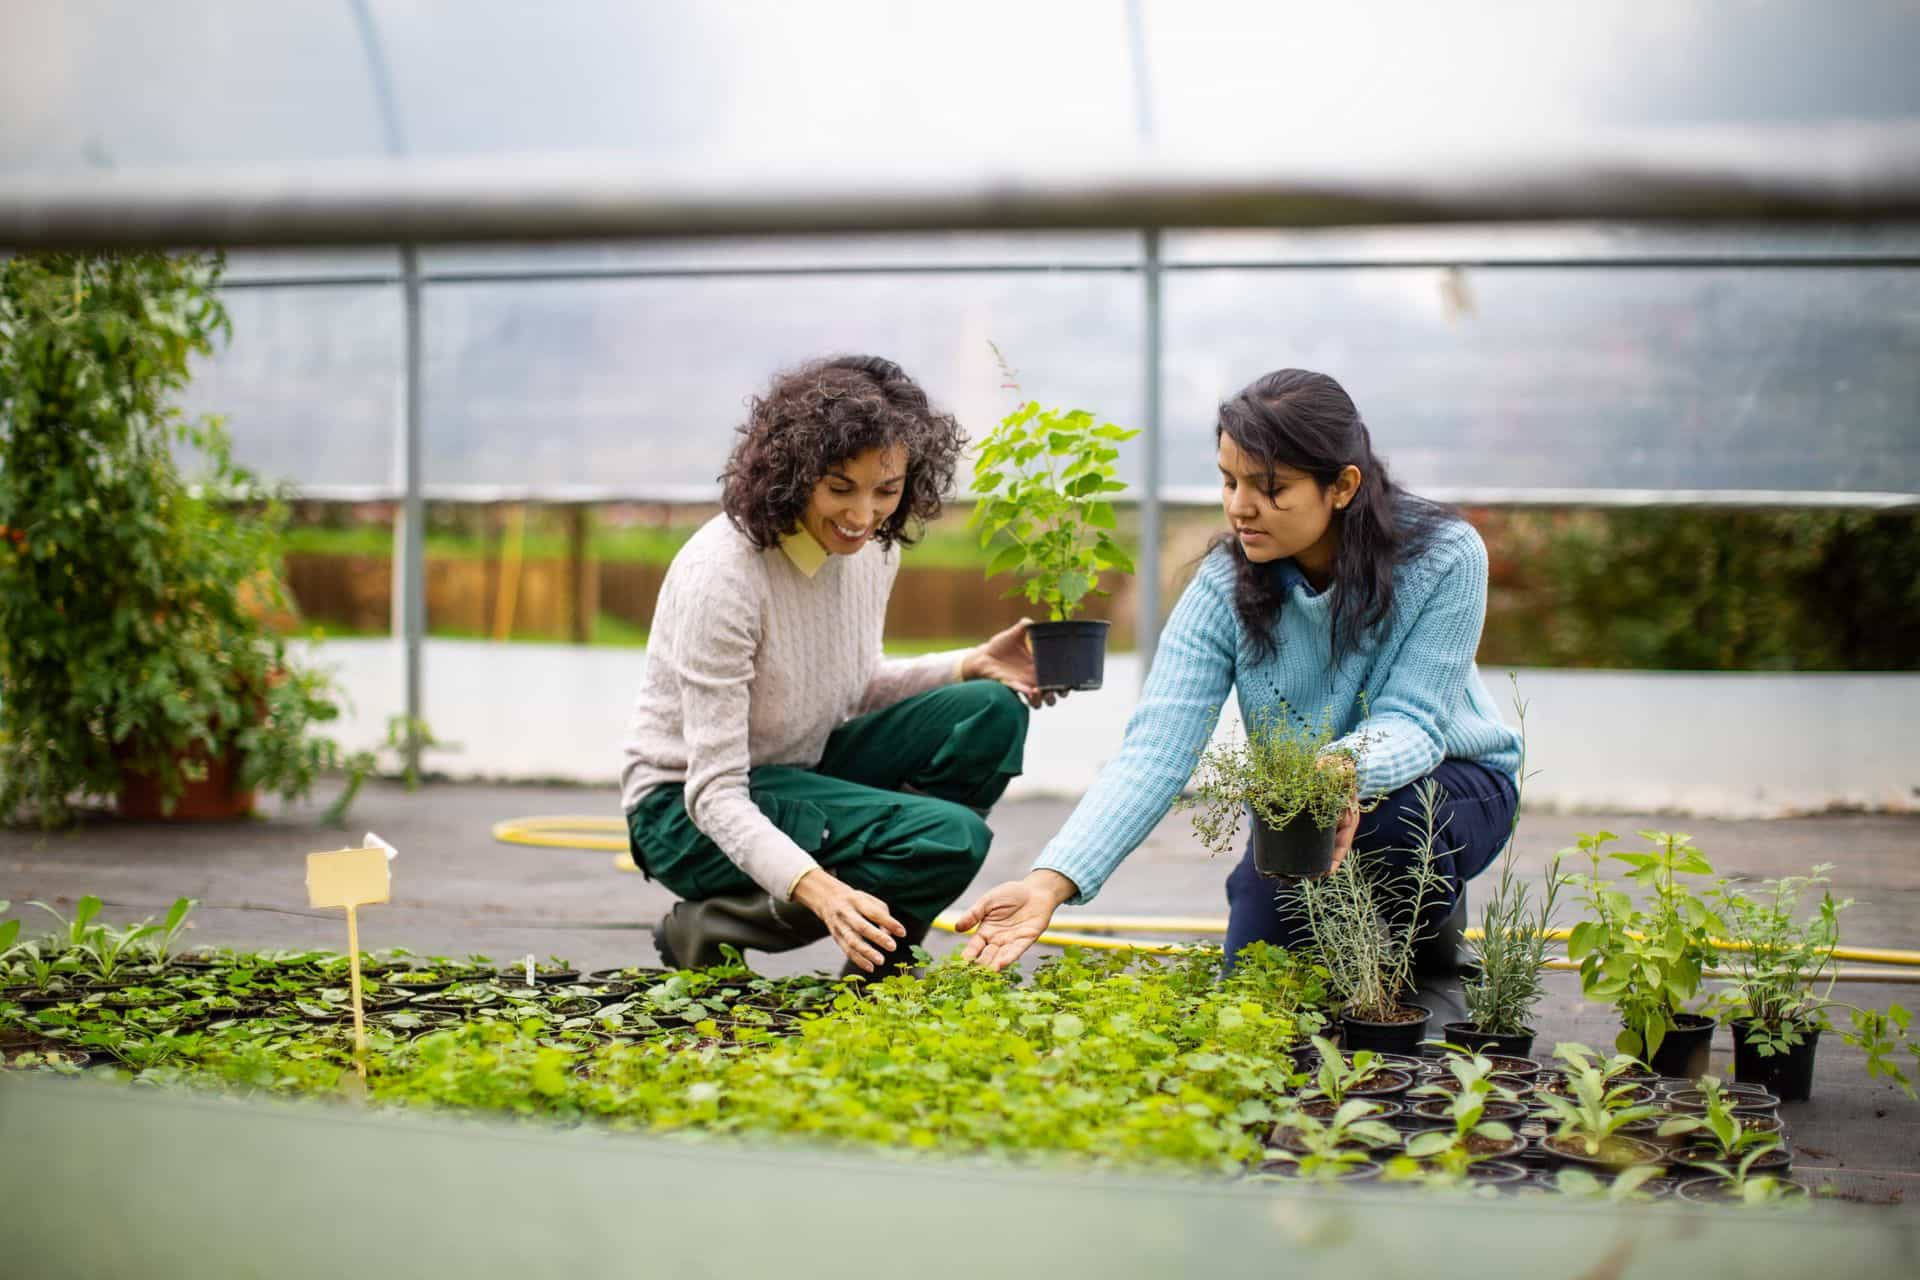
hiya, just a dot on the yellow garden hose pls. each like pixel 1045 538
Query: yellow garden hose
pixel 1093 931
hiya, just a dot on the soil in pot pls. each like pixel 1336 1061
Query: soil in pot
pixel 1635 1095
pixel 1322 1108
pixel 1694 1103
pixel 1297 849
pixel 1519 1085
pixel 1467 1036
pixel 1685 1050
pixel 1788 1076
pixel 1778 1160
pixel 1069 656
pixel 1440 1111
pixel 1383 1083
pixel 1614 1153
pixel 1482 1147
pixel 1401 1034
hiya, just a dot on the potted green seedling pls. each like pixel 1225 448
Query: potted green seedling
pixel 1594 1112
pixel 1043 485
pixel 1339 1078
pixel 1470 1136
pixel 1336 1149
pixel 1510 956
pixel 1742 1184
pixel 1777 980
pixel 1648 960
pixel 1722 1138
pixel 1365 921
pixel 1296 789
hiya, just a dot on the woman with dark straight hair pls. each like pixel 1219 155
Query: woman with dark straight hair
pixel 1335 589
pixel 783 777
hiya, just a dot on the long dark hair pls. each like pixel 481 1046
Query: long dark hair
pixel 817 416
pixel 1306 421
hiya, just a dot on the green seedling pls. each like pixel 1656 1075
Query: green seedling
pixel 1465 1110
pixel 74 930
pixel 1597 1109
pixel 1338 1076
pixel 1624 1188
pixel 1718 1125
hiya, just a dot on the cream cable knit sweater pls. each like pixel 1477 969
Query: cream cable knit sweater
pixel 754 661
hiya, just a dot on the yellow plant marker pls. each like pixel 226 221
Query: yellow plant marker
pixel 352 878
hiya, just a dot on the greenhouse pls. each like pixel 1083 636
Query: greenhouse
pixel 1440 484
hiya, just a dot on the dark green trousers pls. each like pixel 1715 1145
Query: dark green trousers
pixel 893 807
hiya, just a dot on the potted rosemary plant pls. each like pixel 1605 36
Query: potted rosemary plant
pixel 1511 954
pixel 1283 775
pixel 1043 481
pixel 1364 923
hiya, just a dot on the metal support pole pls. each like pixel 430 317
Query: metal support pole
pixel 1147 571
pixel 413 513
pixel 411 580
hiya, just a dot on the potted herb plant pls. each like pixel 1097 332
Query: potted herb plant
pixel 1510 956
pixel 1364 924
pixel 133 648
pixel 1283 776
pixel 1648 959
pixel 1777 988
pixel 1043 483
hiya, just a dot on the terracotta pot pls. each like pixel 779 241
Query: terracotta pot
pixel 213 798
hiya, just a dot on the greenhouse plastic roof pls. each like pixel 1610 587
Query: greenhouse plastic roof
pixel 115 85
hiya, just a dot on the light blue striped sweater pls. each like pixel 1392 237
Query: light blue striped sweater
pixel 1426 701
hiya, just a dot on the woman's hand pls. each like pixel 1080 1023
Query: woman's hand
pixel 1008 659
pixel 1011 915
pixel 1349 820
pixel 859 922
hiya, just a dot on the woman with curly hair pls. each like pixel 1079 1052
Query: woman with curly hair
pixel 782 777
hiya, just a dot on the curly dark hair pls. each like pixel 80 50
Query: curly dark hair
pixel 816 417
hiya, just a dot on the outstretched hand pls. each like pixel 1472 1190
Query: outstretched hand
pixel 1010 916
pixel 1009 659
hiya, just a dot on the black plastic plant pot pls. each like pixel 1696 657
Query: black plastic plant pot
pixel 1386 1037
pixel 1714 1190
pixel 1069 656
pixel 1685 1048
pixel 1616 1152
pixel 1295 851
pixel 1497 1173
pixel 1787 1076
pixel 1467 1036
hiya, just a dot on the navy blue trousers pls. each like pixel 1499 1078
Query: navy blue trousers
pixel 1475 817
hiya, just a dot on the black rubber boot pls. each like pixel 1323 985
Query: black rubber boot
pixel 691 934
pixel 1439 955
pixel 898 960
